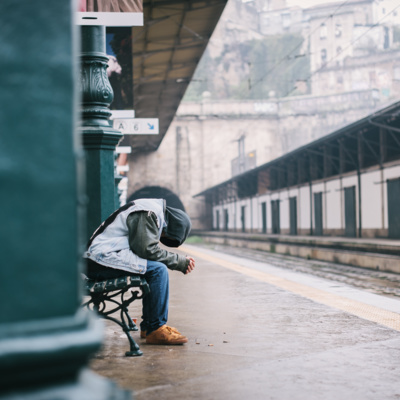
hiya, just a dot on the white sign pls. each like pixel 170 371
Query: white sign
pixel 123 149
pixel 122 168
pixel 115 114
pixel 110 18
pixel 136 126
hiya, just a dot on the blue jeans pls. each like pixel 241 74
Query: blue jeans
pixel 155 304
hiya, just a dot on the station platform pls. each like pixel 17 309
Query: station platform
pixel 257 331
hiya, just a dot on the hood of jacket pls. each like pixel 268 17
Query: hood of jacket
pixel 177 229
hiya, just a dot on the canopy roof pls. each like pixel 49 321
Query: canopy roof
pixel 369 142
pixel 166 51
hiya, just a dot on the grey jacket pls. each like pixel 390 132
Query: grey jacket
pixel 130 237
pixel 144 241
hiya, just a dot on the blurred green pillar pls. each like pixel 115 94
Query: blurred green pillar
pixel 45 336
pixel 99 139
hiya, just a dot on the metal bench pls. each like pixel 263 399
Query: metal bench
pixel 105 293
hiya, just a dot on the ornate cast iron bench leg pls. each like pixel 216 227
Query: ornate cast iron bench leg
pixel 103 293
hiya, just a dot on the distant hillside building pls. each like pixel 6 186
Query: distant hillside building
pixel 351 45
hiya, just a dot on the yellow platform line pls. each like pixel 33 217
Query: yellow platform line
pixel 380 316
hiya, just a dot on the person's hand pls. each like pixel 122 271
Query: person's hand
pixel 191 265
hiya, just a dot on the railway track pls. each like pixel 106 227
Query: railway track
pixel 378 282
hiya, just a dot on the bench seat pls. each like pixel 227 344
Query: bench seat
pixel 115 295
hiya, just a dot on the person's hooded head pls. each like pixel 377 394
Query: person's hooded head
pixel 177 229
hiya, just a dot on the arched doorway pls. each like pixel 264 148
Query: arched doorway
pixel 157 192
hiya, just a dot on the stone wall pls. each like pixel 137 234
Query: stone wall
pixel 202 141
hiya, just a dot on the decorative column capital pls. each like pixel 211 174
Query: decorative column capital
pixel 100 138
pixel 96 90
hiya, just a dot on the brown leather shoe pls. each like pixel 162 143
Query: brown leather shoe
pixel 165 335
pixel 144 333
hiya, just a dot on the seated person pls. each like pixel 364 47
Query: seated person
pixel 127 242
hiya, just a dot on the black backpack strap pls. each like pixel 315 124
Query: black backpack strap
pixel 109 221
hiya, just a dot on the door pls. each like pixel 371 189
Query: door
pixel 264 217
pixel 226 219
pixel 393 192
pixel 350 211
pixel 217 222
pixel 275 216
pixel 318 228
pixel 293 215
pixel 243 218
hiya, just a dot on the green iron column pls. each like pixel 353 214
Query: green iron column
pixel 99 139
pixel 46 338
pixel 118 178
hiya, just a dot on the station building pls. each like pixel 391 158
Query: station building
pixel 344 184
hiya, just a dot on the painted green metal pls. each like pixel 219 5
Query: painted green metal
pixel 45 336
pixel 104 300
pixel 99 139
pixel 117 192
pixel 117 179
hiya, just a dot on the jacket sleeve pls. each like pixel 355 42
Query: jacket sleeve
pixel 144 241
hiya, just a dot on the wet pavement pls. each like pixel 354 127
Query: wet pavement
pixel 260 331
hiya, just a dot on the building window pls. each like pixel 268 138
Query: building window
pixel 286 20
pixel 386 38
pixel 338 51
pixel 323 57
pixel 396 73
pixel 323 33
pixel 338 30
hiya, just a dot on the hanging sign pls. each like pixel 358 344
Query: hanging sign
pixel 136 126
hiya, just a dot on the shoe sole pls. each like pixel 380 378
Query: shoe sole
pixel 168 342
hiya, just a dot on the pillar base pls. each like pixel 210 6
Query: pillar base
pixel 87 386
pixel 44 352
